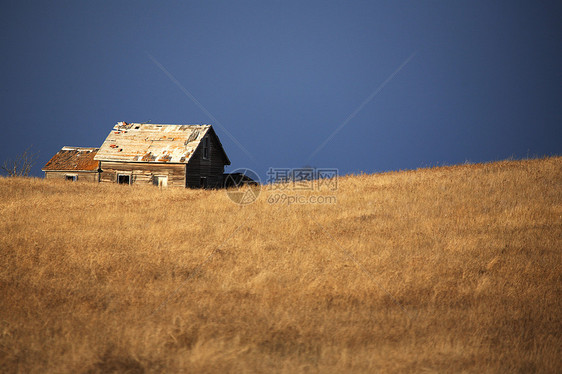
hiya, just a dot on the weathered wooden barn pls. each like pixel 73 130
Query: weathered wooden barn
pixel 163 155
pixel 73 163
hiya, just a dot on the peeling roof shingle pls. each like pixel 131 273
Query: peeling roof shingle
pixel 139 142
pixel 73 159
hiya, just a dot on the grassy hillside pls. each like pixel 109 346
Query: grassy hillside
pixel 447 269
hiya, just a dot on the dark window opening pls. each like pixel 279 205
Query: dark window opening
pixel 203 183
pixel 71 178
pixel 124 179
pixel 206 147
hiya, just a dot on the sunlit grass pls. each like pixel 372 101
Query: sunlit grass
pixel 444 269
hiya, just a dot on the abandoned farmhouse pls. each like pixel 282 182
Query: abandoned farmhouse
pixel 163 155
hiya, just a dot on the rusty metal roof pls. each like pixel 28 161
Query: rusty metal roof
pixel 140 142
pixel 73 159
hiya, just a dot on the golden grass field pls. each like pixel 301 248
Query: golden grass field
pixel 448 269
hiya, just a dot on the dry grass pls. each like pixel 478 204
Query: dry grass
pixel 451 269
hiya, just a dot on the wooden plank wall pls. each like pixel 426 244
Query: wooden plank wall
pixel 143 172
pixel 80 176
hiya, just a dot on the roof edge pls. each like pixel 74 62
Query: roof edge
pixel 73 148
pixel 73 171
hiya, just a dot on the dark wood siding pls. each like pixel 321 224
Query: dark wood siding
pixel 211 168
pixel 80 175
pixel 143 172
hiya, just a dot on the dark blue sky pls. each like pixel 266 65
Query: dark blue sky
pixel 484 82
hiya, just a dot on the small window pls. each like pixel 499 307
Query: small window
pixel 123 179
pixel 203 183
pixel 206 148
pixel 71 178
pixel 160 180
